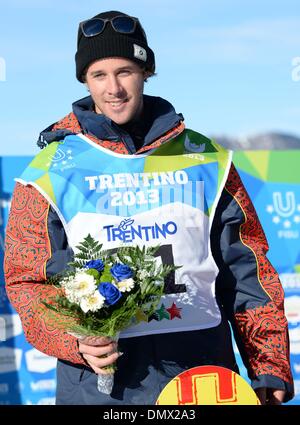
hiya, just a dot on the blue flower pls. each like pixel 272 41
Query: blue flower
pixel 110 292
pixel 95 264
pixel 121 272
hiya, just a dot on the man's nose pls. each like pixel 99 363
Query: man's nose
pixel 114 87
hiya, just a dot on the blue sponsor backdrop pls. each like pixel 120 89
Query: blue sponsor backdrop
pixel 272 179
pixel 28 376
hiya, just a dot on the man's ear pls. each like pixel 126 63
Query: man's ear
pixel 147 74
pixel 87 87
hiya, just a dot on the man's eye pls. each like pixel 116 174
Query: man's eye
pixel 98 75
pixel 124 72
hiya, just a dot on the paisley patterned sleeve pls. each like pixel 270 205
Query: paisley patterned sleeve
pixel 27 252
pixel 249 289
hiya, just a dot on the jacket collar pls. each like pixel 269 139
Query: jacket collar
pixel 160 113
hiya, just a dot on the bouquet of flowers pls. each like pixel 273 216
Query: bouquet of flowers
pixel 103 293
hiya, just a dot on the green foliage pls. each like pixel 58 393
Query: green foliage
pixel 88 249
pixel 94 273
pixel 106 275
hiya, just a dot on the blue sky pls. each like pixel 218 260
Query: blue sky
pixel 225 64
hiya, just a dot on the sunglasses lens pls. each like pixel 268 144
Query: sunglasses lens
pixel 92 27
pixel 123 24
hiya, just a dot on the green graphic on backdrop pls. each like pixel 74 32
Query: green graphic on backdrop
pixel 272 179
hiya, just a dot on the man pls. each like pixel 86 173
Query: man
pixel 226 276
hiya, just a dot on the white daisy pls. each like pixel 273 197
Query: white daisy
pixel 78 286
pixel 92 303
pixel 125 285
pixel 71 295
pixel 83 283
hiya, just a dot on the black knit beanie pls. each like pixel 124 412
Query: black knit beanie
pixel 110 43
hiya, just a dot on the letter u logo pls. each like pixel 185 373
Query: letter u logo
pixel 220 381
pixel 214 385
pixel 286 207
pixel 58 156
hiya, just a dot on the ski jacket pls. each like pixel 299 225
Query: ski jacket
pixel 248 290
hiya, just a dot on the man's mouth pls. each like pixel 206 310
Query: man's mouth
pixel 117 104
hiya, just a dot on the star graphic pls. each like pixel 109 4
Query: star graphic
pixel 297 219
pixel 174 311
pixel 141 316
pixel 161 313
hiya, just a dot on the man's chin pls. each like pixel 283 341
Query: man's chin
pixel 120 120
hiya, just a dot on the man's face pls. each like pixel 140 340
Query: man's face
pixel 116 86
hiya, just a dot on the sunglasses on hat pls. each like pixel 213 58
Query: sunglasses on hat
pixel 121 24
